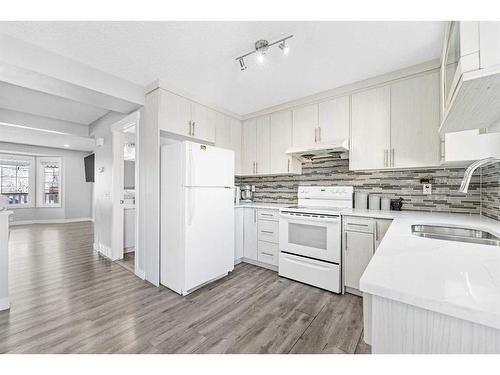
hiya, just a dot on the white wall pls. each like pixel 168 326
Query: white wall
pixel 103 208
pixel 77 194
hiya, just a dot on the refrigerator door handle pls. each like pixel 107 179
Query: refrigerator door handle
pixel 190 206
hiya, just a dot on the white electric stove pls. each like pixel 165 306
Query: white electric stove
pixel 310 236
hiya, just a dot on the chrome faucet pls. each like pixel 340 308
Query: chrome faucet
pixel 470 170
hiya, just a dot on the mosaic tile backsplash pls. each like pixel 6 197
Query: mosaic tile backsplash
pixel 393 184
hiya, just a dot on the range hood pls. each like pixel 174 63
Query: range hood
pixel 338 148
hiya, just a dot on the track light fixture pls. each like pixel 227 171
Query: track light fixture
pixel 261 47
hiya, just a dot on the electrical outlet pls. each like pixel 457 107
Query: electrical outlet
pixel 427 189
pixel 253 188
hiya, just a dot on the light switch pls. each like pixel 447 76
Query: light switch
pixel 427 189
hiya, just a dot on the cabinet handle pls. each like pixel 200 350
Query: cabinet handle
pixel 288 166
pixel 392 157
pixel 266 214
pixel 194 123
pixel 254 215
pixel 315 135
pixel 359 225
pixel 345 240
pixel 263 252
pixel 189 128
pixel 266 231
pixel 385 157
pixel 376 231
pixel 256 167
pixel 319 133
pixel 253 167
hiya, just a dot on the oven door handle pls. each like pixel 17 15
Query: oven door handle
pixel 311 218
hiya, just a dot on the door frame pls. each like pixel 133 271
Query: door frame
pixel 117 131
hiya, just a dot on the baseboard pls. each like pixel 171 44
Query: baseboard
pixel 140 273
pixel 260 264
pixel 4 304
pixel 103 250
pixel 238 261
pixel 50 221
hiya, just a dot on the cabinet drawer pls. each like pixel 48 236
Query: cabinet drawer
pixel 359 224
pixel 268 253
pixel 268 214
pixel 268 231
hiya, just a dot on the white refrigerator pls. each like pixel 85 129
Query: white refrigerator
pixel 197 215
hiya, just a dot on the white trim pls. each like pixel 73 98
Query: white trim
pixel 140 273
pixel 50 221
pixel 260 264
pixel 4 304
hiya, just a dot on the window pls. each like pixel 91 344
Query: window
pixel 49 184
pixel 16 180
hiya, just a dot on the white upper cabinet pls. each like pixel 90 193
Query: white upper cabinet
pixel 305 126
pixel 370 129
pixel 334 119
pixel 228 135
pixel 174 113
pixel 181 116
pixel 263 159
pixel 414 137
pixel 470 75
pixel 249 147
pixel 281 140
pixel 203 122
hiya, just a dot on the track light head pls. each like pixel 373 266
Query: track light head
pixel 284 47
pixel 242 64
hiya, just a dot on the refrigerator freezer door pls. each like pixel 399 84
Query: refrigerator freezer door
pixel 209 234
pixel 208 165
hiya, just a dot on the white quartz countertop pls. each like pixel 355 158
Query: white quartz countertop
pixel 452 278
pixel 270 206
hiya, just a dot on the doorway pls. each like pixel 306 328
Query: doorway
pixel 125 189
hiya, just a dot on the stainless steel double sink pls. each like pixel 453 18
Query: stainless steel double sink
pixel 459 234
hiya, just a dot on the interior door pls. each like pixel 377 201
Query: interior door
pixel 415 139
pixel 281 140
pixel 334 119
pixel 249 152
pixel 208 165
pixel 370 129
pixel 358 252
pixel 263 165
pixel 305 123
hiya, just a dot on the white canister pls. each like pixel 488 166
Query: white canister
pixel 385 204
pixel 360 200
pixel 374 202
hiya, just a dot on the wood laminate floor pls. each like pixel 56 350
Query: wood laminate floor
pixel 128 261
pixel 67 299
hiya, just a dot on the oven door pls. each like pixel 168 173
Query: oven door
pixel 316 237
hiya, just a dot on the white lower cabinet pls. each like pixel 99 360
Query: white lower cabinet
pixel 250 233
pixel 268 253
pixel 361 237
pixel 259 234
pixel 358 252
pixel 238 233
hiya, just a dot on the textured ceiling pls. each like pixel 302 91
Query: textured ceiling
pixel 198 57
